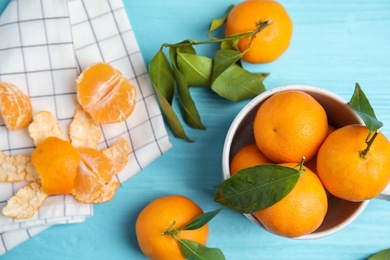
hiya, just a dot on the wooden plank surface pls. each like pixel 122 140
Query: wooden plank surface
pixel 335 44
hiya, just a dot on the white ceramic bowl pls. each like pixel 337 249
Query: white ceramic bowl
pixel 340 212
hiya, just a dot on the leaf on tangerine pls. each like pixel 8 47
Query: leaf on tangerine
pixel 257 187
pixel 201 220
pixel 194 250
pixel 360 103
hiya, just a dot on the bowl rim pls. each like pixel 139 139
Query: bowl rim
pixel 236 123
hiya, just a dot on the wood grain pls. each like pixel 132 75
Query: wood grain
pixel 335 44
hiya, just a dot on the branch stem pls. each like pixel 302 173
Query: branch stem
pixel 252 33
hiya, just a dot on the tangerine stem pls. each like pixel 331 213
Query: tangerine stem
pixel 369 143
pixel 261 26
pixel 170 230
pixel 300 164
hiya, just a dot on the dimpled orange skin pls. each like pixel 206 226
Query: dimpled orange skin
pixel 271 42
pixel 248 156
pixel 301 212
pixel 57 162
pixel 345 173
pixel 312 163
pixel 289 125
pixel 157 216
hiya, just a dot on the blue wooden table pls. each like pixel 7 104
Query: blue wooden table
pixel 335 44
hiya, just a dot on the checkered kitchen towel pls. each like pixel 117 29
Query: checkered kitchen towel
pixel 44 45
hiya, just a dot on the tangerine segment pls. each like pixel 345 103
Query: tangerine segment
pixel 26 202
pixel 57 163
pixel 105 93
pixel 118 154
pixel 104 194
pixel 15 107
pixel 95 170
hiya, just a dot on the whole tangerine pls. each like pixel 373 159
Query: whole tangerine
pixel 290 125
pixel 301 212
pixel 272 41
pixel 348 169
pixel 247 156
pixel 173 211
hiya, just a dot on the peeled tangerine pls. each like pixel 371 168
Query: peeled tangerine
pixel 94 182
pixel 105 94
pixel 15 107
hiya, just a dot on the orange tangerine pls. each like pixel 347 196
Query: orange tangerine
pixel 248 156
pixel 290 125
pixel 57 163
pixel 105 94
pixel 268 44
pixel 173 211
pixel 299 213
pixel 346 172
pixel 15 106
pixel 95 170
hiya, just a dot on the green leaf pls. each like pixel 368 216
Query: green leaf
pixel 184 48
pixel 261 76
pixel 161 75
pixel 360 103
pixel 190 112
pixel 382 255
pixel 257 187
pixel 171 117
pixel 224 59
pixel 236 84
pixel 230 44
pixel 201 220
pixel 163 83
pixel 196 69
pixel 192 250
pixel 219 21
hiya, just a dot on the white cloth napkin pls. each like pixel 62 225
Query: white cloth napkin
pixel 44 45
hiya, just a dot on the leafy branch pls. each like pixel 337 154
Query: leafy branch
pixel 360 103
pixel 184 68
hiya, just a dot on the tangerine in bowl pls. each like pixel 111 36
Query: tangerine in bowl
pixel 339 212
